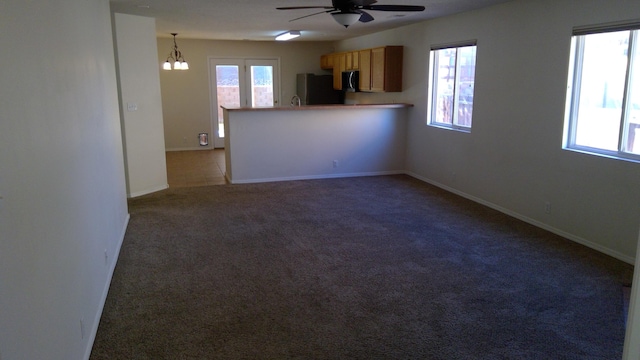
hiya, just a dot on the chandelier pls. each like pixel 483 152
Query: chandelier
pixel 179 63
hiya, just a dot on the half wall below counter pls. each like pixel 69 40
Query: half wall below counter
pixel 314 142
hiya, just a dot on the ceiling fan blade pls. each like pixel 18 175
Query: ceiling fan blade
pixel 394 7
pixel 365 17
pixel 303 7
pixel 306 16
pixel 363 2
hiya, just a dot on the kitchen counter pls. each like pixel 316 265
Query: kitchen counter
pixel 323 107
pixel 314 141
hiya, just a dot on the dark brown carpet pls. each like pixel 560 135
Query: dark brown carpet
pixel 362 268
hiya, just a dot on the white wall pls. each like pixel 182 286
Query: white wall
pixel 276 145
pixel 139 87
pixel 62 186
pixel 512 159
pixel 632 335
pixel 185 94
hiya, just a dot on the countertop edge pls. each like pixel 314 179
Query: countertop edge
pixel 323 107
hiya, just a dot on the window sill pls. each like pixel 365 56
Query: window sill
pixel 458 129
pixel 609 155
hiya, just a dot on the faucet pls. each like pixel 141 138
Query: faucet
pixel 296 99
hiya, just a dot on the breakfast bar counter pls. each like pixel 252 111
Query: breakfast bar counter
pixel 314 141
pixel 323 107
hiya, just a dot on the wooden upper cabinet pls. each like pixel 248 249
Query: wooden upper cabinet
pixel 348 61
pixel 380 68
pixel 386 69
pixel 326 61
pixel 353 60
pixel 355 64
pixel 365 69
pixel 377 69
pixel 339 65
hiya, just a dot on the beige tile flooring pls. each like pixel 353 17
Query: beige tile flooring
pixel 195 168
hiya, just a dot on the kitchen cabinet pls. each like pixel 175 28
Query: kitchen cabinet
pixel 365 69
pixel 380 68
pixel 352 60
pixel 326 61
pixel 339 65
pixel 386 69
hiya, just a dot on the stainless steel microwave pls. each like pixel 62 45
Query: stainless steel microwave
pixel 350 81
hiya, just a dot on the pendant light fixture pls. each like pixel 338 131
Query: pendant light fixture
pixel 179 63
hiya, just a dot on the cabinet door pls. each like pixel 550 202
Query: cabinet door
pixel 348 61
pixel 393 68
pixel 377 69
pixel 365 69
pixel 339 65
pixel 325 63
pixel 355 62
pixel 352 60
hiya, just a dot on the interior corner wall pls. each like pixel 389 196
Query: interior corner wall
pixel 140 103
pixel 513 158
pixel 186 101
pixel 63 205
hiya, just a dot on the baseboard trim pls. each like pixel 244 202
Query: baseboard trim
pixel 105 291
pixel 315 177
pixel 148 191
pixel 192 148
pixel 534 222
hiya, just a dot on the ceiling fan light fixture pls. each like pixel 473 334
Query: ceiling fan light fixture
pixel 346 18
pixel 292 34
pixel 348 12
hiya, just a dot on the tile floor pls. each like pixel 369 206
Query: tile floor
pixel 195 168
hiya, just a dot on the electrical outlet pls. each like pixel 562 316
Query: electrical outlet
pixel 547 207
pixel 81 328
pixel 335 163
pixel 106 257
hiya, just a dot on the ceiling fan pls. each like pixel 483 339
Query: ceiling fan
pixel 348 12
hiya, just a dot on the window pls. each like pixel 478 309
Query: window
pixel 603 93
pixel 452 74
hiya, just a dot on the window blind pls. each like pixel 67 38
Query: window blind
pixel 454 44
pixel 608 27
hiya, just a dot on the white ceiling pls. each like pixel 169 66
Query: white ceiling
pixel 259 19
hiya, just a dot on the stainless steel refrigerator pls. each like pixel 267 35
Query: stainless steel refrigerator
pixel 317 89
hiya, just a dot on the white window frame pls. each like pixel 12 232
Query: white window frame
pixel 573 90
pixel 433 79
